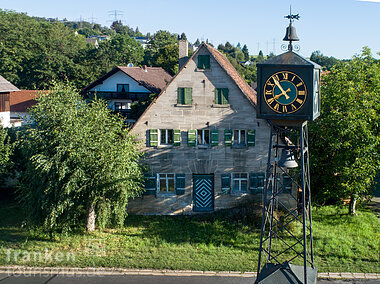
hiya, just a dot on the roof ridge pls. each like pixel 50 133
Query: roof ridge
pixel 247 90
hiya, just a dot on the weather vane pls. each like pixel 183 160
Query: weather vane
pixel 291 32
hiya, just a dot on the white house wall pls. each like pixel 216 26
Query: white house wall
pixel 110 84
pixel 5 119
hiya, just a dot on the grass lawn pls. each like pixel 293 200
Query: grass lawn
pixel 214 242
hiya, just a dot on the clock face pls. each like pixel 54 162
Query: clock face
pixel 285 92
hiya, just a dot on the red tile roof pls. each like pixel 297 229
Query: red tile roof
pixel 21 100
pixel 152 78
pixel 227 66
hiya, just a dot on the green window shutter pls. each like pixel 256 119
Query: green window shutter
pixel 184 96
pixel 217 96
pixel 188 99
pixel 226 183
pixel 153 137
pixel 251 137
pixel 204 61
pixel 214 137
pixel 260 181
pixel 181 96
pixel 177 137
pixel 224 96
pixel 191 137
pixel 150 184
pixel 228 137
pixel 180 184
pixel 221 96
pixel 253 183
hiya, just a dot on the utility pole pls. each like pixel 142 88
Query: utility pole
pixel 115 14
pixel 274 46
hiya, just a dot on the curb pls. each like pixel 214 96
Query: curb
pixel 101 271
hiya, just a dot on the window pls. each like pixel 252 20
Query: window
pixel 122 88
pixel 166 136
pixel 165 183
pixel 239 182
pixel 203 137
pixel 203 61
pixel 184 96
pixel 239 137
pixel 221 96
pixel 122 106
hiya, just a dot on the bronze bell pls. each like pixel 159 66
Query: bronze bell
pixel 291 34
pixel 287 160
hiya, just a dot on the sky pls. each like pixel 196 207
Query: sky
pixel 338 28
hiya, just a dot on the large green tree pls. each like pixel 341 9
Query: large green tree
pixel 6 149
pixel 81 163
pixel 345 140
pixel 163 51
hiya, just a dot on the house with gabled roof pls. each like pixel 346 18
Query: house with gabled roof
pixel 125 85
pixel 204 147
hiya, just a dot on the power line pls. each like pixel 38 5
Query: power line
pixel 115 13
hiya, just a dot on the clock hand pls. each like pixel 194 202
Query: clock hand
pixel 280 87
pixel 279 95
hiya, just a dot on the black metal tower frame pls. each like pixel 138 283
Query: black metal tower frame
pixel 277 238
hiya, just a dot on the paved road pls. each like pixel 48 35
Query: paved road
pixel 144 279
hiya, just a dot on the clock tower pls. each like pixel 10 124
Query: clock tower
pixel 288 86
pixel 288 95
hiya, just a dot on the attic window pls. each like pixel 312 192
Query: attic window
pixel 122 88
pixel 203 61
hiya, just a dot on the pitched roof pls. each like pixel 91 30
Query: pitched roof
pixel 240 82
pixel 152 78
pixel 6 86
pixel 22 100
pixel 249 92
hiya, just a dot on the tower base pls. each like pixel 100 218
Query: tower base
pixel 286 273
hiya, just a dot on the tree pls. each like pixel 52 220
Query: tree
pixel 6 149
pixel 345 139
pixel 163 52
pixel 245 52
pixel 183 36
pixel 82 164
pixel 260 57
pixel 326 62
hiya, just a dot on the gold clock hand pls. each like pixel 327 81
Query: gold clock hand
pixel 284 93
pixel 280 87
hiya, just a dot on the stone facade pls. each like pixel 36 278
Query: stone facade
pixel 203 113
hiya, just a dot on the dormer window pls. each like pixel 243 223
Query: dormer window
pixel 122 88
pixel 203 62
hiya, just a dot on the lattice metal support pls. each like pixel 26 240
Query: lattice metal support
pixel 286 230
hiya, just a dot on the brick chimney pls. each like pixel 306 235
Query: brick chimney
pixel 183 52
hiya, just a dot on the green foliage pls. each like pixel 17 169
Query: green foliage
pixel 36 51
pixel 6 149
pixel 326 62
pixel 237 56
pixel 163 52
pixel 345 140
pixel 78 155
